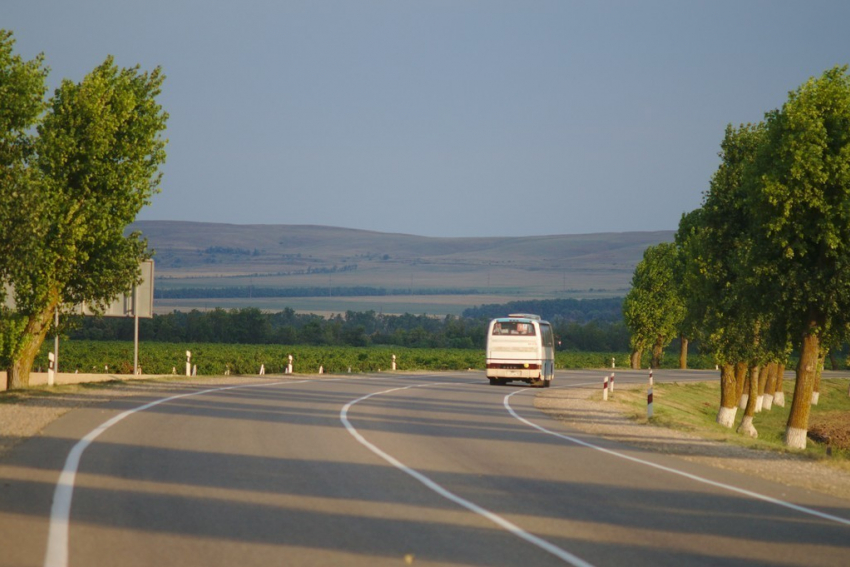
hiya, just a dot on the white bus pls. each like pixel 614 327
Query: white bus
pixel 520 347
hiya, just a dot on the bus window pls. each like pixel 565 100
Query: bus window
pixel 513 328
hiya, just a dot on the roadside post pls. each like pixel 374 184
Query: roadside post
pixel 649 397
pixel 289 366
pixel 611 384
pixel 51 368
pixel 394 366
pixel 188 363
pixel 605 389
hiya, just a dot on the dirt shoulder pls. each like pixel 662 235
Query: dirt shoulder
pixel 26 413
pixel 574 407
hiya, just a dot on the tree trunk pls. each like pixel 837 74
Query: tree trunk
pixel 657 353
pixel 769 387
pixel 683 353
pixel 779 394
pixel 744 398
pixel 18 372
pixel 634 359
pixel 728 398
pixel 816 386
pixel 798 419
pixel 762 385
pixel 746 427
pixel 740 381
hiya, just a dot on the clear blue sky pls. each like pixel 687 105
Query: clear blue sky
pixel 444 118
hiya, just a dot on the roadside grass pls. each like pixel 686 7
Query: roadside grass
pixel 692 407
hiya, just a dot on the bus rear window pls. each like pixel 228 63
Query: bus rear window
pixel 513 328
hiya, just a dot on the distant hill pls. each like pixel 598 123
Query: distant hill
pixel 450 273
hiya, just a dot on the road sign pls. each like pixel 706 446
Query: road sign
pixel 142 296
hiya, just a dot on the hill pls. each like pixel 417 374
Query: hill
pixel 320 268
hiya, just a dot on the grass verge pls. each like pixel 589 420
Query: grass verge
pixel 693 407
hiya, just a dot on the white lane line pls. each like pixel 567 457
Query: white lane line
pixel 60 512
pixel 671 470
pixel 472 507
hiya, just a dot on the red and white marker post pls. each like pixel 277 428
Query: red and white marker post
pixel 649 397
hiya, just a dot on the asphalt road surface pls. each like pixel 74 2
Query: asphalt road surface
pixel 384 470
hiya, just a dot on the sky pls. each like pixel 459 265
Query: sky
pixel 444 118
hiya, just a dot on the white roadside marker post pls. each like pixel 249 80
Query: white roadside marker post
pixel 605 389
pixel 51 365
pixel 188 363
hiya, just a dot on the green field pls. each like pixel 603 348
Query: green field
pixel 214 359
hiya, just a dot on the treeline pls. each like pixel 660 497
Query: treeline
pixel 760 269
pixel 577 310
pixel 252 326
pixel 308 291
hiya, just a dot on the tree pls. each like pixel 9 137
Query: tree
pixel 22 89
pixel 799 199
pixel 95 165
pixel 653 309
pixel 715 243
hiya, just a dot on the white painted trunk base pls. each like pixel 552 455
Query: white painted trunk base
pixel 747 428
pixel 726 416
pixel 759 402
pixel 779 399
pixel 815 398
pixel 795 438
pixel 744 399
pixel 766 402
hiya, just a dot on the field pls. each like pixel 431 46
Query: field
pixel 214 359
pixel 498 269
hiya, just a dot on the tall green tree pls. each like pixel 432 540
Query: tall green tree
pixel 800 204
pixel 96 164
pixel 653 308
pixel 22 90
pixel 716 244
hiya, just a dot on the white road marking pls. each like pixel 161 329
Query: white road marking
pixel 60 512
pixel 472 507
pixel 671 470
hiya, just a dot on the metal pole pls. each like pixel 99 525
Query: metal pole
pixel 56 343
pixel 135 331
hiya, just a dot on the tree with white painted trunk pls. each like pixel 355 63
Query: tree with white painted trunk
pixel 714 243
pixel 747 427
pixel 798 196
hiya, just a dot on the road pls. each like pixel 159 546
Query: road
pixel 384 470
